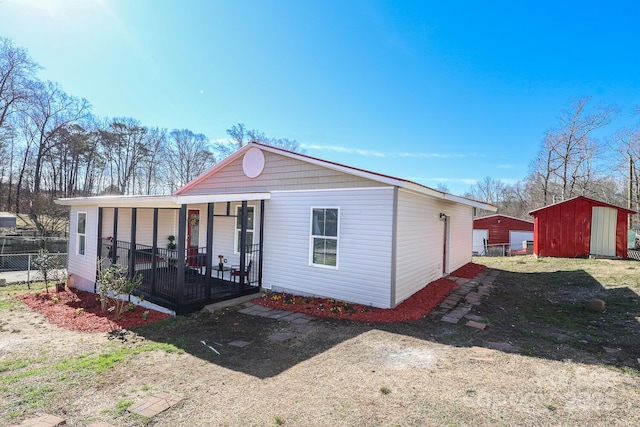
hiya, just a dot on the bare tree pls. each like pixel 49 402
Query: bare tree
pixel 564 166
pixel 124 143
pixel 189 155
pixel 240 136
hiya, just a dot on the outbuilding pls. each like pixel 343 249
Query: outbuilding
pixel 501 233
pixel 580 227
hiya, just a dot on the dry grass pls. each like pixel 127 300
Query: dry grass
pixel 354 374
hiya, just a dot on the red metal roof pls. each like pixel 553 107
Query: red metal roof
pixel 593 201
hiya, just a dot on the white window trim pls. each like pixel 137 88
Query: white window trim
pixel 311 236
pixel 235 230
pixel 78 234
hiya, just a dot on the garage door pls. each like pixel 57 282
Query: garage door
pixel 517 237
pixel 480 241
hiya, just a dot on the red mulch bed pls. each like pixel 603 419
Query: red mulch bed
pixel 80 311
pixel 469 271
pixel 413 308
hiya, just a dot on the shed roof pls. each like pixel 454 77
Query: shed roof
pixel 586 199
pixel 502 216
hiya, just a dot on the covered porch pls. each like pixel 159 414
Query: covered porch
pixel 175 244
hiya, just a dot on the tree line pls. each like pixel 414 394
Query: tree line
pixel 52 146
pixel 576 158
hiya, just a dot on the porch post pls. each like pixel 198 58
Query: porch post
pixel 243 243
pixel 99 250
pixel 261 244
pixel 114 243
pixel 132 243
pixel 208 252
pixel 181 264
pixel 154 251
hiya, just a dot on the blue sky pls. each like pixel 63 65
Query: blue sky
pixel 431 91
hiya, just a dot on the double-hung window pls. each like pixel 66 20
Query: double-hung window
pixel 250 226
pixel 81 240
pixel 324 236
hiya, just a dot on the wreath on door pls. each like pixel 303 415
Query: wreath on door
pixel 193 221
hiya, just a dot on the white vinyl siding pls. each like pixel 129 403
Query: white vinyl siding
pixel 420 241
pixel 366 230
pixel 83 267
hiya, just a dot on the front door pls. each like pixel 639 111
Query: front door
pixel 193 236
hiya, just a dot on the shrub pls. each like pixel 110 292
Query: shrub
pixel 114 282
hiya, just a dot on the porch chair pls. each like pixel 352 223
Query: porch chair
pixel 235 271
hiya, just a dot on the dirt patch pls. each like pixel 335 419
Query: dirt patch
pixel 81 311
pixel 345 373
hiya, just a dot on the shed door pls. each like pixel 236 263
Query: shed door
pixel 480 241
pixel 517 237
pixel 603 231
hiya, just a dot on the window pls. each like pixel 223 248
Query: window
pixel 81 239
pixel 324 236
pixel 250 217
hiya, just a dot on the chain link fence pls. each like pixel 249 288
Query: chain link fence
pixel 20 268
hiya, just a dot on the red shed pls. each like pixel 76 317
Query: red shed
pixel 502 230
pixel 580 227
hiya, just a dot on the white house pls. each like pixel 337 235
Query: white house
pixel 290 222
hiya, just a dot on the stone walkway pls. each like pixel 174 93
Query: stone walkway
pixel 467 294
pixel 300 320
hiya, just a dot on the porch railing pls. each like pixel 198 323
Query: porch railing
pixel 158 269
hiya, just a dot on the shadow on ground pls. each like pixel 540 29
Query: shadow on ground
pixel 533 314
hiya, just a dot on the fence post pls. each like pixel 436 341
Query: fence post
pixel 29 271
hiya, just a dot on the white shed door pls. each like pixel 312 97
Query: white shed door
pixel 517 237
pixel 603 231
pixel 480 240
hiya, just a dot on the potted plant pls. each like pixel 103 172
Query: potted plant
pixel 171 250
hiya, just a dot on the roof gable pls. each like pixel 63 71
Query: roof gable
pixel 592 202
pixel 206 179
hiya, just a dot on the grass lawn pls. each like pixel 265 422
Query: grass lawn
pixel 542 360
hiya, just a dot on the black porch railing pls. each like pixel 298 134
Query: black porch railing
pixel 158 268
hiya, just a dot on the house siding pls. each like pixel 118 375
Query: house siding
pixel 82 268
pixel 420 245
pixel 364 246
pixel 280 173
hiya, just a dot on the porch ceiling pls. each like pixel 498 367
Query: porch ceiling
pixel 160 201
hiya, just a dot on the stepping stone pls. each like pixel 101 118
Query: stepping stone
pixel 474 317
pixel 153 405
pixel 476 325
pixel 239 343
pixel 450 319
pixel 282 336
pixel 304 328
pixel 43 421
